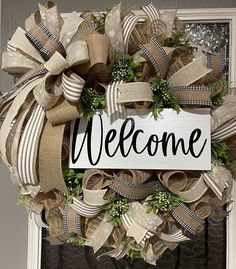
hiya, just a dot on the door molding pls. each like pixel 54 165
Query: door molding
pixel 188 15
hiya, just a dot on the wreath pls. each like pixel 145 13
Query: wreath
pixel 68 68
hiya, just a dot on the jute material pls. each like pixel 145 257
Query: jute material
pixel 190 72
pixel 177 182
pixel 49 158
pixel 64 111
pixel 135 92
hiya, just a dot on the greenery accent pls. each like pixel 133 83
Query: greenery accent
pixel 118 206
pixel 92 101
pixel 126 68
pixel 221 86
pixel 100 19
pixel 75 239
pixel 179 39
pixel 131 253
pixel 22 198
pixel 73 182
pixel 163 200
pixel 219 150
pixel 162 97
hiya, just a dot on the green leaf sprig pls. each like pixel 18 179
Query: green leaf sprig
pixel 92 101
pixel 73 182
pixel 221 86
pixel 126 68
pixel 162 97
pixel 100 19
pixel 117 207
pixel 22 198
pixel 178 39
pixel 219 150
pixel 163 200
pixel 131 253
pixel 75 239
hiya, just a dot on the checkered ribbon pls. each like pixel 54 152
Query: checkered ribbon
pixel 47 44
pixel 193 95
pixel 133 191
pixel 191 223
pixel 65 221
pixel 161 63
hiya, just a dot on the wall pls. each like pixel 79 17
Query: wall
pixel 13 223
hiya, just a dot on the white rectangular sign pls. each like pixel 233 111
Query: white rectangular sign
pixel 173 141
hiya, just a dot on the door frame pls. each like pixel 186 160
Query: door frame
pixel 187 15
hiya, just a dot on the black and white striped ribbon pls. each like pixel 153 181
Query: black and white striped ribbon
pixel 112 94
pixel 127 222
pixel 84 209
pixel 72 85
pixel 11 46
pixel 151 12
pixel 128 25
pixel 28 147
pixel 225 131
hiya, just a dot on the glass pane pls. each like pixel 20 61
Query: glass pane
pixel 203 252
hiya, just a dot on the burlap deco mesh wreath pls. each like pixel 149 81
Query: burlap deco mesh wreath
pixel 116 60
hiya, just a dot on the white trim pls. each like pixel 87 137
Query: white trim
pixel 34 244
pixel 190 15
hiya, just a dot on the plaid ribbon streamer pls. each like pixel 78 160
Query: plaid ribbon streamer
pixel 41 38
pixel 65 221
pixel 131 190
pixel 191 214
pixel 200 93
pixel 28 147
pixel 149 55
pixel 72 85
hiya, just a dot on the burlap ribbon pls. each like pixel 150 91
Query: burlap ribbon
pixel 95 183
pixel 135 92
pixel 189 188
pixel 49 158
pixel 191 72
